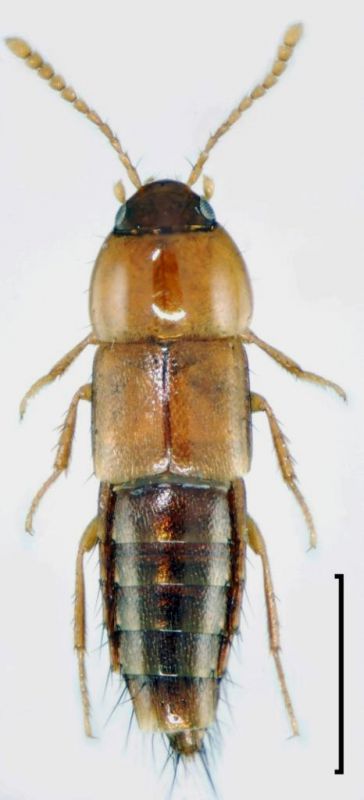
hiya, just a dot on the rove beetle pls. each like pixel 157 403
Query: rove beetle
pixel 170 307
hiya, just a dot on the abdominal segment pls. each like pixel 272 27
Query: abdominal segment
pixel 172 577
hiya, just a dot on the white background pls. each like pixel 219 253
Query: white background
pixel 289 188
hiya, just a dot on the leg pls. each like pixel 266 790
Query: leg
pixel 56 371
pixel 63 451
pixel 257 544
pixel 291 366
pixel 285 461
pixel 88 541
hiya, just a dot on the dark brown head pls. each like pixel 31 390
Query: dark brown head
pixel 164 207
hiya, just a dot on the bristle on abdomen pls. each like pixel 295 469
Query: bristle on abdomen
pixel 173 568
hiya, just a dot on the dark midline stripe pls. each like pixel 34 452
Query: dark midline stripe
pixel 184 609
pixel 154 563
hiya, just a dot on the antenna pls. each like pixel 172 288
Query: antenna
pixel 284 53
pixel 35 61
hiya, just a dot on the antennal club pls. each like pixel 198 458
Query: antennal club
pixel 284 53
pixel 35 61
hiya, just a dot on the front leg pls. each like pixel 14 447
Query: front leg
pixel 291 366
pixel 63 451
pixel 59 368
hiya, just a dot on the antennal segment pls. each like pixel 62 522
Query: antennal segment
pixel 284 53
pixel 35 61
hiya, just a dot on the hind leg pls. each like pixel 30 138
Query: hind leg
pixel 257 544
pixel 63 451
pixel 88 541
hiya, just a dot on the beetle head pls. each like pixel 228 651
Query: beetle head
pixel 164 207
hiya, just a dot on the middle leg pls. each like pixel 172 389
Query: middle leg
pixel 285 461
pixel 63 451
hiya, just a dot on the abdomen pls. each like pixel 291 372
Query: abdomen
pixel 172 574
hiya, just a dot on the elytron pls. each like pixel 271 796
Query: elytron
pixel 170 309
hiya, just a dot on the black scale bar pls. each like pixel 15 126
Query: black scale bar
pixel 340 769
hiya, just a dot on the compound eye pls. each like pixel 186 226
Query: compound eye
pixel 206 210
pixel 119 219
